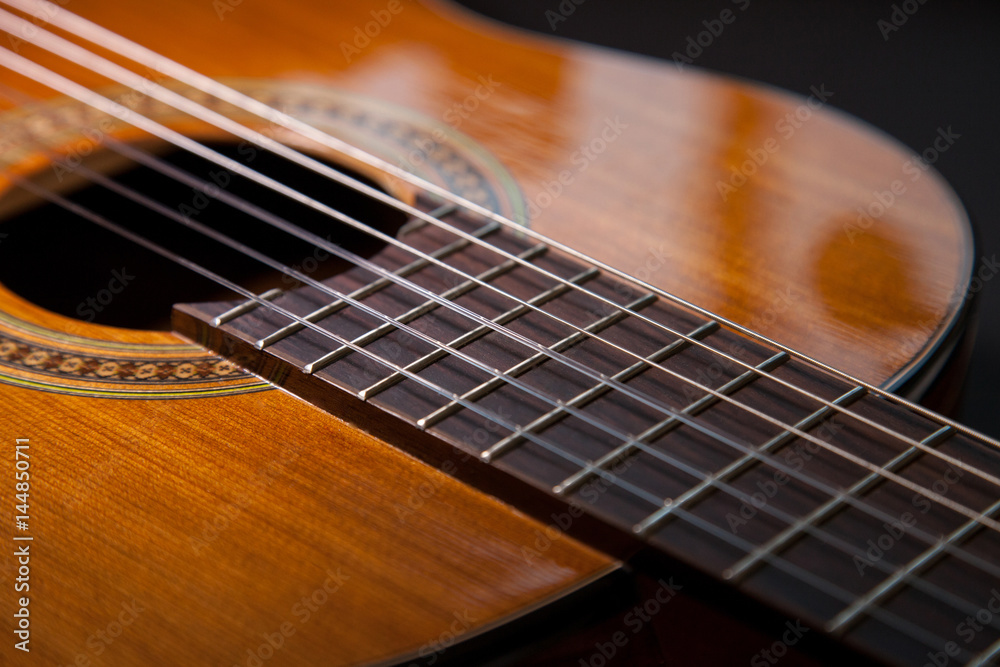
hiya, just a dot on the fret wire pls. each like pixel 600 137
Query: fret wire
pixel 240 204
pixel 83 212
pixel 72 89
pixel 523 366
pixel 736 467
pixel 46 39
pixel 85 96
pixel 58 45
pixel 374 286
pixel 986 657
pixel 103 222
pixel 599 425
pixel 253 106
pixel 465 339
pixel 887 617
pixel 245 307
pixel 831 506
pixel 663 427
pixel 919 564
pixel 416 312
pixel 320 286
pixel 586 397
pixel 609 431
pixel 305 279
pixel 974 435
pixel 849 549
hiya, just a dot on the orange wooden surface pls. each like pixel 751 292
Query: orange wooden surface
pixel 124 485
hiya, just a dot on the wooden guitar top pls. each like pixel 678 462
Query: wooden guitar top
pixel 206 523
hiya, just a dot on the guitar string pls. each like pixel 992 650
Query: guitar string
pixel 622 388
pixel 94 33
pixel 780 563
pixel 763 373
pixel 712 432
pixel 94 176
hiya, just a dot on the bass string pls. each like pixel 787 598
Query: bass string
pixel 89 31
pixel 930 589
pixel 776 561
pixel 59 83
pixel 123 76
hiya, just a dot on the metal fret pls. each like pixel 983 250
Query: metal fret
pixel 831 506
pixel 740 465
pixel 669 424
pixel 582 399
pixel 843 620
pixel 503 318
pixel 379 284
pixel 244 307
pixel 386 328
pixel 987 656
pixel 524 366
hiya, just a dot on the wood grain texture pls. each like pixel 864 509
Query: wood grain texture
pixel 124 486
pixel 788 240
pixel 219 519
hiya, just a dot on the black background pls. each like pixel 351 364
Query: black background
pixel 939 69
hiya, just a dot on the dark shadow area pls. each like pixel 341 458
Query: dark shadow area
pixel 907 67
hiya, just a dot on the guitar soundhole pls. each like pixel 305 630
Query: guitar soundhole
pixel 67 264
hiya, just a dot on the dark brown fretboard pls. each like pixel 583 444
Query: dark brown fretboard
pixel 826 500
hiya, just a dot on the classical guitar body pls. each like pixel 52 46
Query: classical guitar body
pixel 194 497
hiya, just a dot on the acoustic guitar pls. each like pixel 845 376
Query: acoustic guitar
pixel 380 334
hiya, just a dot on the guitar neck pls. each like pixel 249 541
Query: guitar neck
pixel 620 415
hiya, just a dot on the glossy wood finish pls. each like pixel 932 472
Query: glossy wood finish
pixel 788 240
pixel 219 516
pixel 774 255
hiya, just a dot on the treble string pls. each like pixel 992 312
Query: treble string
pixel 97 34
pixel 550 399
pixel 66 49
pixel 712 431
pixel 776 561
